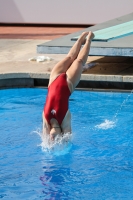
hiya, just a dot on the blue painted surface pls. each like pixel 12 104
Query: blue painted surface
pixel 98 165
pixel 113 32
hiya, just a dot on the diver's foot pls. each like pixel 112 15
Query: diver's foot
pixel 90 36
pixel 83 36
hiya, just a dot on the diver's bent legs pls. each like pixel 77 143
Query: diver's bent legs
pixel 75 70
pixel 83 54
pixel 74 51
pixel 63 65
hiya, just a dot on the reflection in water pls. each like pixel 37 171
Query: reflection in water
pixel 53 182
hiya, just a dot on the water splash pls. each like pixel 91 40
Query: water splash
pixel 60 146
pixel 123 103
pixel 107 124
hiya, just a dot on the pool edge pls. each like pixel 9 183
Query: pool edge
pixel 88 81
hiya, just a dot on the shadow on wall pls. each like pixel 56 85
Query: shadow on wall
pixel 9 8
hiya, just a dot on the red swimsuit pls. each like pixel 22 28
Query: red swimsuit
pixel 56 105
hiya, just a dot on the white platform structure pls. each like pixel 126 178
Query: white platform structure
pixel 113 38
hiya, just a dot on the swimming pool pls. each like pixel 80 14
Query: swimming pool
pixel 98 163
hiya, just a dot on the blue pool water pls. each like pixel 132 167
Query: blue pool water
pixel 97 163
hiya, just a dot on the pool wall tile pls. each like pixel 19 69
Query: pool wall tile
pixel 112 78
pixel 16 82
pixel 127 79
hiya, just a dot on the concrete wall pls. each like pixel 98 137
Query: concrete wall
pixel 63 11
